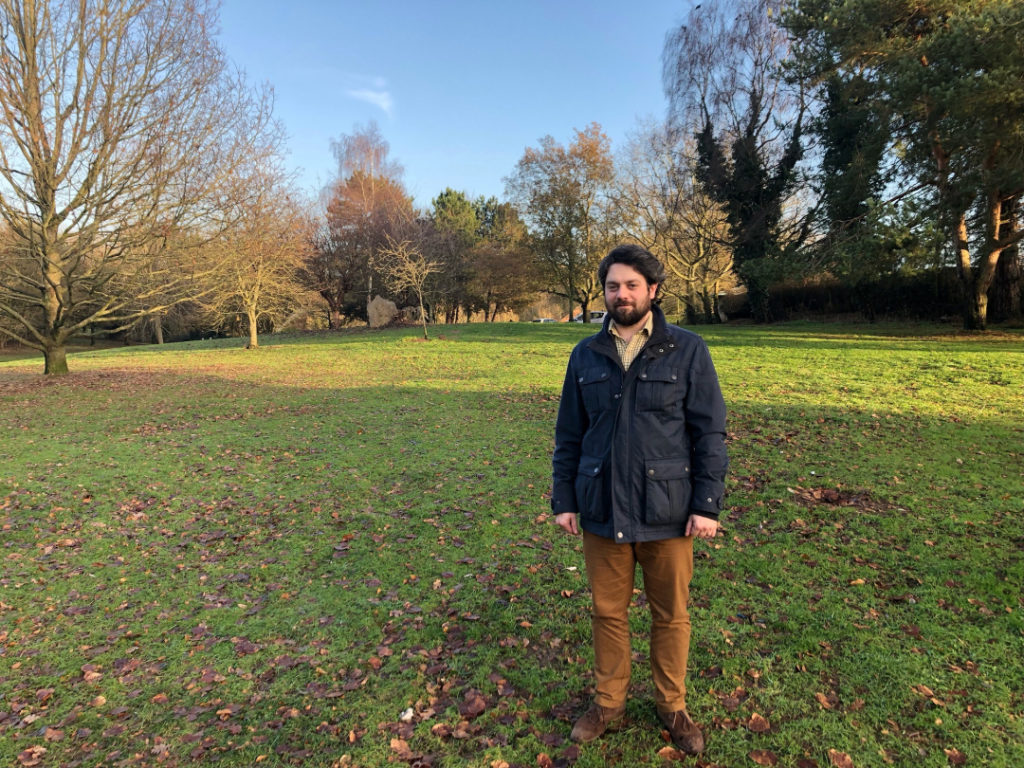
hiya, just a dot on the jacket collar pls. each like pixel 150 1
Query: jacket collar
pixel 603 341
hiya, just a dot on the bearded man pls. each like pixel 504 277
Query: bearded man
pixel 640 460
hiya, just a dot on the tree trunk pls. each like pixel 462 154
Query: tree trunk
pixel 56 362
pixel 706 301
pixel 1004 296
pixel 975 282
pixel 55 353
pixel 423 319
pixel 254 342
pixel 158 328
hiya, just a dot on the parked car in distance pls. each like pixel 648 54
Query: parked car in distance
pixel 596 316
pixel 543 320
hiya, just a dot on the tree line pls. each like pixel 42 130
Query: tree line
pixel 142 186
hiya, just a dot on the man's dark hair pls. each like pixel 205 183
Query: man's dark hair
pixel 640 259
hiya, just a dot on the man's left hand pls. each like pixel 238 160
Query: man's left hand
pixel 701 527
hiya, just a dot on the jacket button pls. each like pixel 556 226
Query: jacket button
pixel 650 472
pixel 643 375
pixel 620 534
pixel 710 501
pixel 673 377
pixel 671 346
pixel 581 379
pixel 686 469
pixel 618 395
pixel 662 349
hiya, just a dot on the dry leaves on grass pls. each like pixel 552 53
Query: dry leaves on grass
pixel 758 724
pixel 473 705
pixel 31 757
pixel 840 759
pixel 763 757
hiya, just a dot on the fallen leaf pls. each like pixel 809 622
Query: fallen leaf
pixel 401 748
pixel 763 757
pixel 473 705
pixel 823 700
pixel 956 757
pixel 442 730
pixel 840 759
pixel 31 756
pixel 758 724
pixel 670 753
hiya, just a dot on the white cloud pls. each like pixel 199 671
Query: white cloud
pixel 379 98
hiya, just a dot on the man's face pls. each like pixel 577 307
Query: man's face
pixel 627 295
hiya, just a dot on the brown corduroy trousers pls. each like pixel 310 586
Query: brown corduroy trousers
pixel 667 567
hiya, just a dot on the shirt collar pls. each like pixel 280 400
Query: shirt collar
pixel 647 328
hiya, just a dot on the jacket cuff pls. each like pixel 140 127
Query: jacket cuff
pixel 706 501
pixel 562 502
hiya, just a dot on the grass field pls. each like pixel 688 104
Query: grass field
pixel 336 551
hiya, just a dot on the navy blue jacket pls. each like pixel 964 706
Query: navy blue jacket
pixel 638 451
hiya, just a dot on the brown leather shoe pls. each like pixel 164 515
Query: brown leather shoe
pixel 595 722
pixel 684 732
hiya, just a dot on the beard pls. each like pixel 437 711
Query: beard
pixel 629 314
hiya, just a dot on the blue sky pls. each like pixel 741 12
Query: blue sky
pixel 459 89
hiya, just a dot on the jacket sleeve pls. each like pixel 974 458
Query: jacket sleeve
pixel 570 427
pixel 705 424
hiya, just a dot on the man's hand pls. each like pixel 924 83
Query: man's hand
pixel 567 521
pixel 701 527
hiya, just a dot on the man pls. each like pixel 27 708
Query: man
pixel 640 457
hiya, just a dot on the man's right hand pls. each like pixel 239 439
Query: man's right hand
pixel 567 521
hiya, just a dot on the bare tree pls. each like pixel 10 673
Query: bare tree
pixel 658 203
pixel 258 260
pixel 119 124
pixel 405 268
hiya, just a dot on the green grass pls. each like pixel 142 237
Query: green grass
pixel 213 555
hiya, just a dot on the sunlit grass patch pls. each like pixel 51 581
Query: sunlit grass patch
pixel 338 545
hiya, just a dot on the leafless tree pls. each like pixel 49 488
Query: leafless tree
pixel 405 268
pixel 120 123
pixel 258 259
pixel 658 203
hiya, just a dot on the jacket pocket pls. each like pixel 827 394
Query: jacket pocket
pixel 658 389
pixel 668 490
pixel 591 500
pixel 595 387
